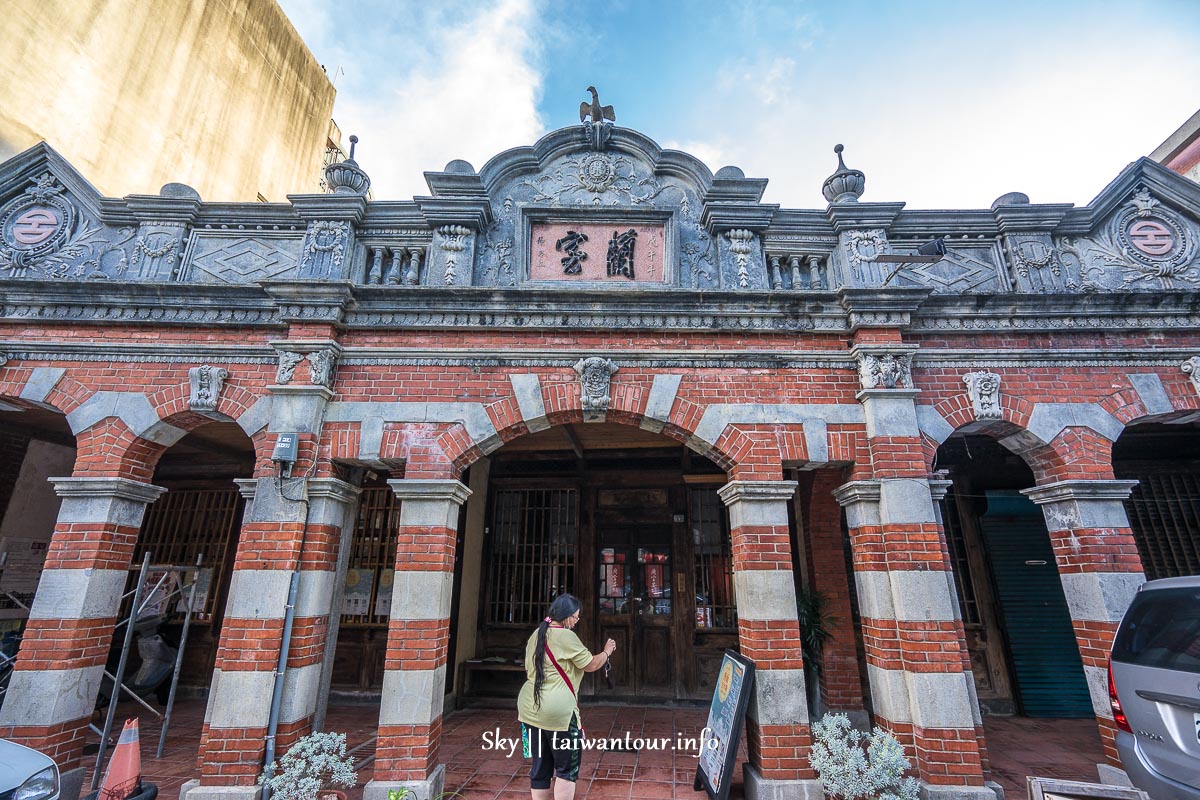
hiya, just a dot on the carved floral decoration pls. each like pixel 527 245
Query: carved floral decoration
pixel 983 388
pixel 206 382
pixel 595 380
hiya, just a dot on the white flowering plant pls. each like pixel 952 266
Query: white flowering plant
pixel 315 763
pixel 855 766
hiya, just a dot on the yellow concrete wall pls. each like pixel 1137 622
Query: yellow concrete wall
pixel 222 95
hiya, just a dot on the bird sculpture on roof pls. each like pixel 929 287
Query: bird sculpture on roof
pixel 597 112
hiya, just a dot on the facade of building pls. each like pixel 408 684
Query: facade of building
pixel 593 365
pixel 1181 150
pixel 231 102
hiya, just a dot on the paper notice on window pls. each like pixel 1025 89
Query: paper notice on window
pixel 383 597
pixel 356 599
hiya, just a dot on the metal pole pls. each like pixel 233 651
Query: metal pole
pixel 187 620
pixel 120 676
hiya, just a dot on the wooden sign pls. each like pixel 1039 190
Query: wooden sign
pixel 726 718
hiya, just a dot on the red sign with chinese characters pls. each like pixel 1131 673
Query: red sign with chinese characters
pixel 598 251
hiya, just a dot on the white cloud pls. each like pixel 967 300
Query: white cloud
pixel 451 84
pixel 1058 120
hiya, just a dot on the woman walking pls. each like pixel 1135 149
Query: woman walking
pixel 548 706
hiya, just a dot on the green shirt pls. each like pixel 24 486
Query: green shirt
pixel 558 701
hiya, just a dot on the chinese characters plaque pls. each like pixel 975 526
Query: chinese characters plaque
pixel 610 252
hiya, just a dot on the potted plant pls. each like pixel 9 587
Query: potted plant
pixel 812 612
pixel 311 768
pixel 855 766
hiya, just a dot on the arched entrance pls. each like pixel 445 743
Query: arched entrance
pixel 1023 649
pixel 628 520
pixel 1164 508
pixel 36 444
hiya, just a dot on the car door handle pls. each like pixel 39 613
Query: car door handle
pixel 1176 700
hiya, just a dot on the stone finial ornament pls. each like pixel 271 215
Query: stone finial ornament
pixel 845 185
pixel 347 177
pixel 595 381
pixel 885 370
pixel 206 383
pixel 1191 368
pixel 984 390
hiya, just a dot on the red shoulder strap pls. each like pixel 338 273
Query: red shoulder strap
pixel 554 661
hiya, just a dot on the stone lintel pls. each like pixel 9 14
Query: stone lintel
pixel 338 491
pixel 866 491
pixel 850 216
pixel 1062 491
pixel 349 207
pixel 757 491
pixel 470 212
pixel 448 490
pixel 122 488
pixel 938 488
pixel 723 215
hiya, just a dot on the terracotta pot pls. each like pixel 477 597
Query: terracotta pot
pixel 331 794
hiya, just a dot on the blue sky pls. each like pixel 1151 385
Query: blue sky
pixel 941 104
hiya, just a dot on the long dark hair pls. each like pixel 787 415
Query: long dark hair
pixel 563 607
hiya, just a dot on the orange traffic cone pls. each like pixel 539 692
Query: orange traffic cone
pixel 125 769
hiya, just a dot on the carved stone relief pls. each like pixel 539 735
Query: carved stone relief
pixel 206 382
pixel 1035 265
pixel 1191 368
pixel 595 381
pixel 1146 246
pixel 43 235
pixel 885 370
pixel 240 258
pixel 288 361
pixel 601 179
pixel 963 270
pixel 451 260
pixel 324 250
pixel 983 388
pixel 321 367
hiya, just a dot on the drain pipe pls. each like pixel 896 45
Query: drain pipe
pixel 289 617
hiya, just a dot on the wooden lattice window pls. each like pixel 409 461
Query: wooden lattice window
pixel 367 594
pixel 956 543
pixel 1164 512
pixel 531 552
pixel 183 524
pixel 715 603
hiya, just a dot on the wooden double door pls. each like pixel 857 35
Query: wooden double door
pixel 636 607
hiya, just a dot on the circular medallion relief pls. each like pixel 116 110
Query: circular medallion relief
pixel 597 173
pixel 1152 237
pixel 37 222
pixel 34 226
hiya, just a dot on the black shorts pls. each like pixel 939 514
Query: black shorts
pixel 553 753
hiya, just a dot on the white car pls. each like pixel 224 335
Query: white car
pixel 26 774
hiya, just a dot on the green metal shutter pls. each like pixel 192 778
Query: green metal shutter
pixel 1033 613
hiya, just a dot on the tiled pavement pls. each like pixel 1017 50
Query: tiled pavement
pixel 1018 747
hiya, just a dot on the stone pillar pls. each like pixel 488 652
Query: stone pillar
pixel 778 733
pixel 937 491
pixel 912 630
pixel 333 508
pixel 1101 571
pixel 290 524
pixel 841 681
pixel 57 677
pixel 414 678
